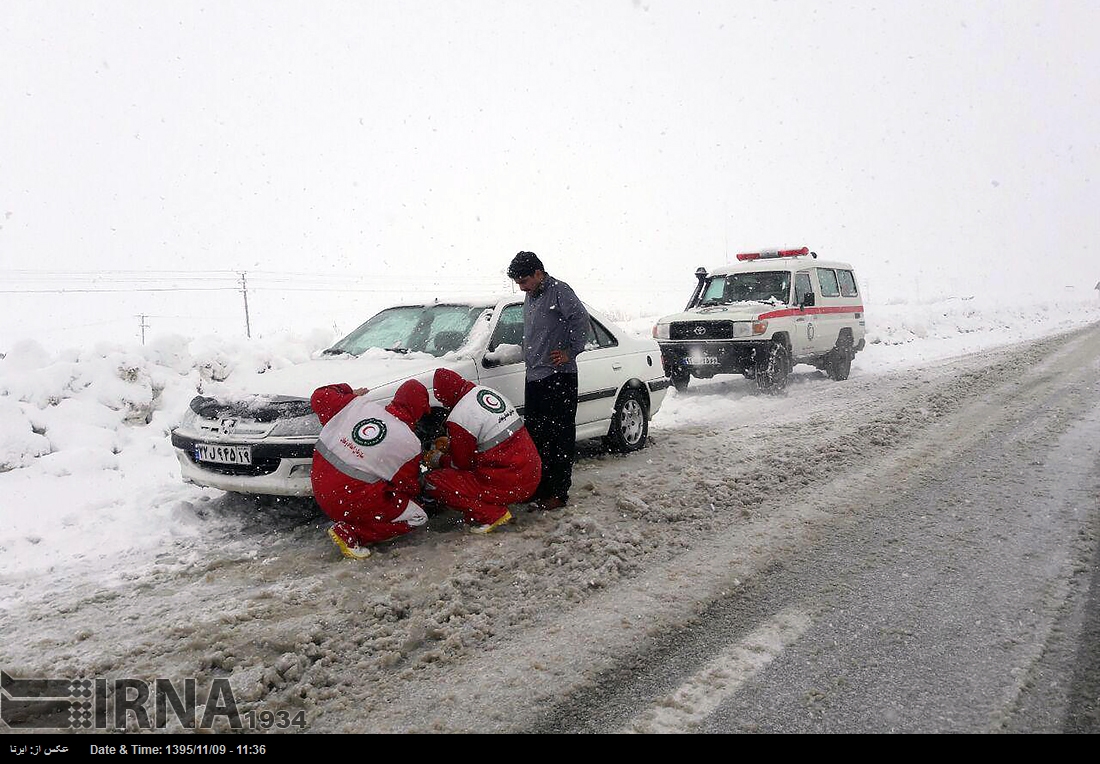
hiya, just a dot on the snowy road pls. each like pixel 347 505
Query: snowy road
pixel 933 602
pixel 905 550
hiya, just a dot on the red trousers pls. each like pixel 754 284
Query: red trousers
pixel 369 508
pixel 482 495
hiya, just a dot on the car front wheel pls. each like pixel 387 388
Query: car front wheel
pixel 629 423
pixel 772 369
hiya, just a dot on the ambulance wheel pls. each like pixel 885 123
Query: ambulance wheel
pixel 629 423
pixel 838 364
pixel 680 380
pixel 772 369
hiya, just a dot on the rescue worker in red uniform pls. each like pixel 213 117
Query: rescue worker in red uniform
pixel 490 460
pixel 366 464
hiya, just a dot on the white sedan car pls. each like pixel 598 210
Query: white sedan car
pixel 260 439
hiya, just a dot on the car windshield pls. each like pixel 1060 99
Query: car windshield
pixel 435 329
pixel 759 286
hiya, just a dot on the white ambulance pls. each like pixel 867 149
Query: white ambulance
pixel 760 316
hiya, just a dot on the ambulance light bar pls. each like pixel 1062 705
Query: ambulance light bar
pixel 765 253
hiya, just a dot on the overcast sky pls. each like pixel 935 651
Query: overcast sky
pixel 937 146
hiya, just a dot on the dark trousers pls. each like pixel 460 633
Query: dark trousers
pixel 550 413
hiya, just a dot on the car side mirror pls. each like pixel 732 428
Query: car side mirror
pixel 502 355
pixel 807 300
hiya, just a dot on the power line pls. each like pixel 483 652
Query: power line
pixel 93 323
pixel 429 288
pixel 133 289
pixel 277 276
pixel 68 283
pixel 108 270
pixel 402 286
pixel 37 282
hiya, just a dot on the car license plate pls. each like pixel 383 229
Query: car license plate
pixel 701 360
pixel 208 452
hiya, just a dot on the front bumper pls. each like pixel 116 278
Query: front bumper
pixel 277 469
pixel 711 357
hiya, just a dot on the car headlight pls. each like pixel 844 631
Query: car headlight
pixel 660 331
pixel 742 328
pixel 188 419
pixel 299 426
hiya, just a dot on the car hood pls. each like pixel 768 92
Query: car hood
pixel 734 311
pixel 381 372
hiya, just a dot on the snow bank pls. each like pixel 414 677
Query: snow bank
pixel 19 441
pixel 904 334
pixel 895 324
pixel 86 466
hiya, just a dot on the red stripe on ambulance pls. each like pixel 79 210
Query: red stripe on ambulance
pixel 803 311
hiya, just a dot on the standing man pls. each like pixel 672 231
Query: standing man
pixel 555 326
pixel 366 465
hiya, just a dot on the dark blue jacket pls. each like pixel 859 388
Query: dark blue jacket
pixel 553 319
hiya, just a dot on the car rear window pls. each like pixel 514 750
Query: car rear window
pixel 598 336
pixel 847 283
pixel 826 277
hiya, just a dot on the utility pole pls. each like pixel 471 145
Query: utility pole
pixel 244 291
pixel 143 327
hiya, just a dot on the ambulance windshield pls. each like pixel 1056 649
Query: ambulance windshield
pixel 758 286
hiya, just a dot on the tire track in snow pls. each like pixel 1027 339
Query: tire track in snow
pixel 698 697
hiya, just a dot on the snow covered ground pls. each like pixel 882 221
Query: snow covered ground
pixel 88 477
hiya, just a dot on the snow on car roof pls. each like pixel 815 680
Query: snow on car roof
pixel 478 301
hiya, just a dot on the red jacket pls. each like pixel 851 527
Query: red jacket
pixel 334 489
pixel 499 443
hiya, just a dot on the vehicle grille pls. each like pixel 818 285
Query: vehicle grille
pixel 701 330
pixel 259 408
pixel 257 468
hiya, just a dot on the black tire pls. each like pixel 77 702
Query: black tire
pixel 629 424
pixel 772 369
pixel 431 426
pixel 838 365
pixel 680 380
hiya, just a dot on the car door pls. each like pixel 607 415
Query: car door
pixel 804 335
pixel 600 373
pixel 600 368
pixel 506 378
pixel 852 318
pixel 829 318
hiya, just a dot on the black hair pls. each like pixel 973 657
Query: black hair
pixel 524 264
